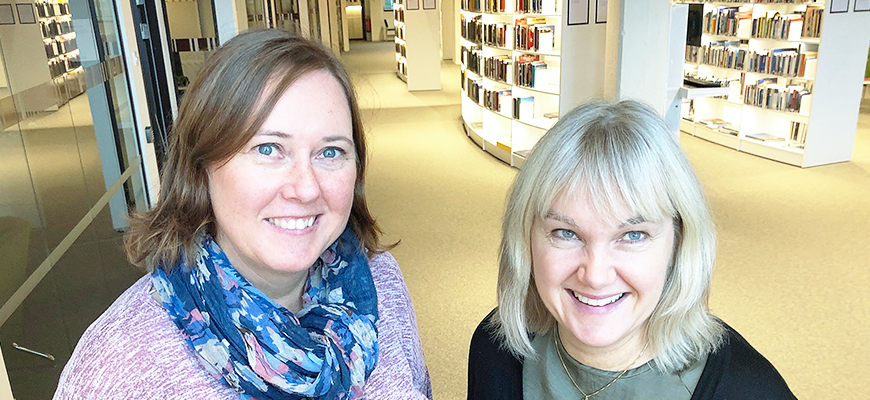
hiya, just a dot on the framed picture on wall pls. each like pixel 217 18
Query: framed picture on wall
pixel 7 16
pixel 26 15
pixel 862 5
pixel 578 12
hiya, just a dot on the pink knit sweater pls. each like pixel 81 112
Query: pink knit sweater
pixel 135 351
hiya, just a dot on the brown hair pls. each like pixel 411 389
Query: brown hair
pixel 224 107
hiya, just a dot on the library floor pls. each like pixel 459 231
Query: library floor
pixel 792 271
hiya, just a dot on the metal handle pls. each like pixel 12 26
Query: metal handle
pixel 34 352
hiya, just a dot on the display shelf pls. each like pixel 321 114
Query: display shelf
pixel 822 127
pixel 516 59
pixel 418 61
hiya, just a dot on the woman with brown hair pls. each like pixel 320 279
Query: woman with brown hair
pixel 267 278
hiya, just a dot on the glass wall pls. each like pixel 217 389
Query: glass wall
pixel 70 171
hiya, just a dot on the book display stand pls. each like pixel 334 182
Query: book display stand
pixel 61 49
pixel 418 60
pixel 789 65
pixel 513 82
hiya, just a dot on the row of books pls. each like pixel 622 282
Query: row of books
pixel 766 93
pixel 400 32
pixel 52 28
pixel 536 6
pixel 787 62
pixel 471 29
pixel 494 6
pixel 399 14
pixel 62 65
pixel 472 58
pixel 779 26
pixel 718 54
pixel 54 48
pixel 45 9
pixel 498 68
pixel 812 27
pixel 725 21
pixel 471 5
pixel 401 49
pixel 531 72
pixel 500 100
pixel 499 35
pixel 782 62
pixel 534 34
pixel 402 67
pixel 731 21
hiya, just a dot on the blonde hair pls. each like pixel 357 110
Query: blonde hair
pixel 224 107
pixel 622 154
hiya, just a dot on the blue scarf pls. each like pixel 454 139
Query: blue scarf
pixel 261 349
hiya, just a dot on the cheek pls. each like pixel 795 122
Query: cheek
pixel 337 189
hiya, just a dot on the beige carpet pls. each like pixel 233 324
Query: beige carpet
pixel 793 270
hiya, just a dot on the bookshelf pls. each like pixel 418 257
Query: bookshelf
pixel 61 48
pixel 514 86
pixel 789 70
pixel 418 60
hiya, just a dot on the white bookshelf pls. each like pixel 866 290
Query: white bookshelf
pixel 828 112
pixel 418 60
pixel 501 132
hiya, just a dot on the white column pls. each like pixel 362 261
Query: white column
pixel 644 53
pixel 448 29
pixel 231 18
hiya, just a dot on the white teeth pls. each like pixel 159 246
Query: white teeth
pixel 292 223
pixel 598 302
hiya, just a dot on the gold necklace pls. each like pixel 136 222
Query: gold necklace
pixel 557 339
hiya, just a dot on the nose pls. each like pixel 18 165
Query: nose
pixel 596 269
pixel 302 184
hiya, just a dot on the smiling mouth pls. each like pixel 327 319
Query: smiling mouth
pixel 292 223
pixel 598 302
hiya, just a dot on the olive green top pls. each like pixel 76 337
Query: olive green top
pixel 544 378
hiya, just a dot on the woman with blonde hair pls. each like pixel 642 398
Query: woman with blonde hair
pixel 604 277
pixel 267 276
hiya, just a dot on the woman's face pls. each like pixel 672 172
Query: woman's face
pixel 287 195
pixel 600 277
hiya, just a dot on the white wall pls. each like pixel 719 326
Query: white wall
pixel 449 36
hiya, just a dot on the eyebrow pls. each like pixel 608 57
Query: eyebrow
pixel 568 220
pixel 284 135
pixel 560 217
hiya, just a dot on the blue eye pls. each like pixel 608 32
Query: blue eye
pixel 634 236
pixel 266 149
pixel 330 153
pixel 564 234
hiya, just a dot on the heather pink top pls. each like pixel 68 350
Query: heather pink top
pixel 135 351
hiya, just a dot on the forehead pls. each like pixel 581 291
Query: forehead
pixel 314 104
pixel 607 203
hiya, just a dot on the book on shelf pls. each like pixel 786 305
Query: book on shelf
pixel 533 33
pixel 729 130
pixel 531 72
pixel 812 24
pixel 728 21
pixel 524 108
pixel 498 68
pixel 767 93
pixel 536 6
pixel 798 132
pixel 497 100
pixel 498 35
pixel 765 137
pixel 471 28
pixel 714 122
pixel 774 25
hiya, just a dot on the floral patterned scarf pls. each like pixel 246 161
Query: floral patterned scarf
pixel 261 349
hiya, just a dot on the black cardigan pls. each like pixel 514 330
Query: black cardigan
pixel 734 371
